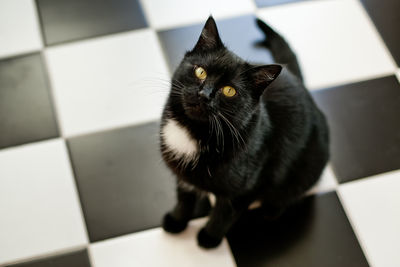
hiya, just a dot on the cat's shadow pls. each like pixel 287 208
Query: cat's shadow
pixel 254 235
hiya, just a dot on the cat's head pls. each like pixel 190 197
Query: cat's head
pixel 211 80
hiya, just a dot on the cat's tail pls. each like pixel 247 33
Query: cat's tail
pixel 280 49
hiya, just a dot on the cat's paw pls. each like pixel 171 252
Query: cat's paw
pixel 207 241
pixel 172 225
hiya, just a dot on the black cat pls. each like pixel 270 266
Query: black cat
pixel 241 131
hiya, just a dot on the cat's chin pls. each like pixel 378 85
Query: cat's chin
pixel 193 115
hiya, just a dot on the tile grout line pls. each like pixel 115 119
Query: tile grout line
pixel 96 37
pixel 29 51
pixel 353 226
pixel 201 22
pixel 372 25
pixel 109 129
pixel 77 192
pixel 38 17
pixel 51 92
pixel 146 12
pixel 20 54
pixel 90 255
pixel 48 79
pixel 46 255
pixel 350 82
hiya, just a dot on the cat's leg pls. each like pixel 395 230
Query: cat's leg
pixel 190 204
pixel 222 217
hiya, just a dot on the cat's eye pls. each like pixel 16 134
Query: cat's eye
pixel 200 73
pixel 228 91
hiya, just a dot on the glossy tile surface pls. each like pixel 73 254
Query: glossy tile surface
pixel 26 108
pixel 267 3
pixel 313 233
pixel 65 20
pixel 104 83
pixel 173 13
pixel 166 250
pixel 373 207
pixel 19 28
pixel 123 184
pixel 363 119
pixel 386 16
pixel 75 259
pixel 39 203
pixel 335 41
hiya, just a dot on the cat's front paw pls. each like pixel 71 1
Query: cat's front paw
pixel 207 241
pixel 172 225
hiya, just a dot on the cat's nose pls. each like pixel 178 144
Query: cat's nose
pixel 205 93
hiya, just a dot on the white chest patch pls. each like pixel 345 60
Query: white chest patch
pixel 179 141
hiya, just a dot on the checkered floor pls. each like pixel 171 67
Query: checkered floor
pixel 82 85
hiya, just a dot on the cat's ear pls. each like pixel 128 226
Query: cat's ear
pixel 209 38
pixel 263 75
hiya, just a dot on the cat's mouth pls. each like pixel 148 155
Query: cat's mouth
pixel 196 111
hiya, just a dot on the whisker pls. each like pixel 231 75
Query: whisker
pixel 221 131
pixel 234 132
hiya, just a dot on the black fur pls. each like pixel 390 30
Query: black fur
pixel 270 142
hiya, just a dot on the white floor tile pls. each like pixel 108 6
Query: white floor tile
pixel 168 14
pixel 326 183
pixel 108 82
pixel 19 27
pixel 373 206
pixel 157 248
pixel 335 41
pixel 39 206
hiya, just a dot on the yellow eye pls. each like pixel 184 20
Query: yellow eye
pixel 200 73
pixel 228 91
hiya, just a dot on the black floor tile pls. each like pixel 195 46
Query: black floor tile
pixel 239 34
pixel 123 185
pixel 364 120
pixel 386 17
pixel 266 3
pixel 314 233
pixel 75 259
pixel 26 110
pixel 69 20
